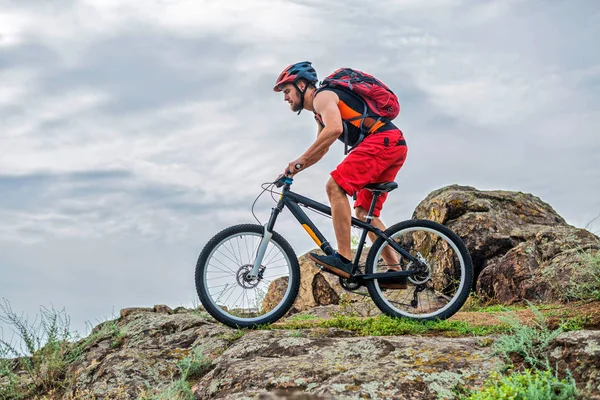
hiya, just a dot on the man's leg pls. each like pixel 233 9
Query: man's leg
pixel 389 255
pixel 341 216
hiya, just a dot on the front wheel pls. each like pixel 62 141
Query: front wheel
pixel 443 279
pixel 225 284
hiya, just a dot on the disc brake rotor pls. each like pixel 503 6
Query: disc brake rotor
pixel 242 276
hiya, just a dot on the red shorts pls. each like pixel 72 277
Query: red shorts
pixel 371 162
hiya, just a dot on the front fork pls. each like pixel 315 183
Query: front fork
pixel 262 248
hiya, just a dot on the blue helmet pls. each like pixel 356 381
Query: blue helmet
pixel 301 70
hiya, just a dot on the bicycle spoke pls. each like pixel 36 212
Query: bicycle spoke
pixel 438 278
pixel 228 272
pixel 233 261
pixel 235 294
pixel 232 252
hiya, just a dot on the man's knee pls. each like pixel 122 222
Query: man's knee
pixel 361 213
pixel 333 189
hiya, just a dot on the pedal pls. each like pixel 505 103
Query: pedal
pixel 322 268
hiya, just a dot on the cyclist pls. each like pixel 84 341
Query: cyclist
pixel 378 158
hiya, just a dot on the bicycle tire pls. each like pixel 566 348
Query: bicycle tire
pixel 254 319
pixel 445 265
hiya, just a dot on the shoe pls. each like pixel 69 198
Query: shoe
pixel 397 283
pixel 333 263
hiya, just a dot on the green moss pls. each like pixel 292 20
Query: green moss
pixel 576 323
pixel 384 325
pixel 232 336
pixel 303 317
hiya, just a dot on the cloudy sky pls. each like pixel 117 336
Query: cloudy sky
pixel 131 131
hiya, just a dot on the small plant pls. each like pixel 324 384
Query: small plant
pixel 354 239
pixel 9 389
pixel 46 349
pixel 233 335
pixel 530 342
pixel 195 365
pixel 585 282
pixel 118 339
pixel 527 385
pixel 350 306
pixel 476 303
pixel 537 379
pixel 176 390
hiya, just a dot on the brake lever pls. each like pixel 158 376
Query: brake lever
pixel 281 181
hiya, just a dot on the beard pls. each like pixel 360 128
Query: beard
pixel 300 105
pixel 297 107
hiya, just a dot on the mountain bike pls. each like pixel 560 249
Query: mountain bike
pixel 248 275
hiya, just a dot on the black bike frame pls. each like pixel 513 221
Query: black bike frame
pixel 293 201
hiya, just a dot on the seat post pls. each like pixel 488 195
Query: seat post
pixel 363 236
pixel 369 216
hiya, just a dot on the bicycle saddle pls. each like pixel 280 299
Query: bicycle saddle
pixel 382 187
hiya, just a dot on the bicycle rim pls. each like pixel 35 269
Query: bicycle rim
pixel 237 299
pixel 440 289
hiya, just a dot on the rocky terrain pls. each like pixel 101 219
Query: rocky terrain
pixel 141 354
pixel 335 345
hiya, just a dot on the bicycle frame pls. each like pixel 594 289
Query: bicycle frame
pixel 293 200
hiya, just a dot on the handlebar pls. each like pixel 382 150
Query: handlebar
pixel 285 179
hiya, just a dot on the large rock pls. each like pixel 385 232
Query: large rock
pixel 141 351
pixel 578 354
pixel 140 356
pixel 521 248
pixel 317 288
pixel 330 365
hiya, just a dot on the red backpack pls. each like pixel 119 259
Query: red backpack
pixel 375 95
pixel 379 98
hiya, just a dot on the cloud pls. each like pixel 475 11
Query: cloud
pixel 96 204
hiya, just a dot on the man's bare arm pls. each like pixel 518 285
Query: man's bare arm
pixel 322 154
pixel 326 105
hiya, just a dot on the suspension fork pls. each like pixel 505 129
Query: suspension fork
pixel 267 235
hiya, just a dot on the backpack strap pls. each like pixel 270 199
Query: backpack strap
pixel 363 130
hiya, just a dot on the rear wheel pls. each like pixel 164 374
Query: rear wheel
pixel 444 278
pixel 225 288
